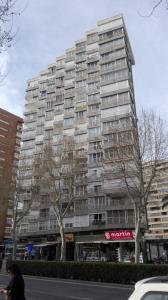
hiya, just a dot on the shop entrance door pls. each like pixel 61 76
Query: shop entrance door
pixel 70 247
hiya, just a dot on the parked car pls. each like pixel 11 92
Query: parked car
pixel 154 288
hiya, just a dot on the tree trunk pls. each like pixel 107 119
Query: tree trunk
pixel 137 235
pixel 14 244
pixel 63 243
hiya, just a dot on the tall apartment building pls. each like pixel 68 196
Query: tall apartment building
pixel 10 138
pixel 88 94
pixel 157 212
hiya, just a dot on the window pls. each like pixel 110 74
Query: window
pixel 111 34
pixel 93 132
pixel 118 75
pixel 69 101
pixel 81 204
pixel 92 65
pixel 93 120
pixel 155 296
pixel 80 65
pixel 80 138
pixel 49 133
pixel 110 138
pixel 44 213
pixel 80 56
pixel 96 157
pixel 91 37
pixel 93 97
pixel 113 64
pixel 81 190
pixel 113 54
pixel 97 202
pixel 94 107
pixel 69 110
pixel 95 145
pixel 93 85
pixel 80 115
pixel 68 121
pixel 50 114
pixel 93 75
pixel 112 44
pixel 80 83
pixel 70 73
pixel 59 98
pixel 111 153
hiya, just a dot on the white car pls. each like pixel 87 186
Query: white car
pixel 154 288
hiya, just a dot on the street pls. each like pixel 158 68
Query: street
pixel 52 289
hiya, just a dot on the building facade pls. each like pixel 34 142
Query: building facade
pixel 157 212
pixel 88 94
pixel 10 138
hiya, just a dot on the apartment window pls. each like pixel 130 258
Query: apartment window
pixel 80 65
pixel 81 204
pixel 112 64
pixel 80 138
pixel 59 107
pixel 96 157
pixel 80 115
pixel 80 74
pixel 93 132
pixel 80 46
pixel 44 213
pixel 114 75
pixel 68 121
pixel 68 225
pixel 93 120
pixel 70 54
pixel 80 56
pixel 81 190
pixel 69 101
pixel 111 201
pixel 60 63
pixel 92 65
pixel 93 75
pixel 49 133
pixel 50 114
pixel 113 54
pixel 110 125
pixel 59 98
pixel 97 219
pixel 111 34
pixel 70 72
pixel 69 110
pixel 93 97
pixel 111 153
pixel 81 83
pixel 93 107
pixel 91 37
pixel 43 226
pixel 97 202
pixel 110 138
pixel 112 44
pixel 53 224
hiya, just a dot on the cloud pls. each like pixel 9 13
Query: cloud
pixel 48 28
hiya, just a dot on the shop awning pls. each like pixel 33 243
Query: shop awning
pixel 46 244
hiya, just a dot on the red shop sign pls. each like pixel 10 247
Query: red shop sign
pixel 119 235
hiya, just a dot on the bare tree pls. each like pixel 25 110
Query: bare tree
pixel 7 13
pixel 56 175
pixel 18 192
pixel 138 150
pixel 156 6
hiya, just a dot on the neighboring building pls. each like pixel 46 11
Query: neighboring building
pixel 88 94
pixel 10 138
pixel 157 212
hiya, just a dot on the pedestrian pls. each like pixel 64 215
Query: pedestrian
pixel 16 287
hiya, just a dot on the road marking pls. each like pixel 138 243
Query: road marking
pixel 99 285
pixel 75 297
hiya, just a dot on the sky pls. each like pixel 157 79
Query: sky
pixel 46 28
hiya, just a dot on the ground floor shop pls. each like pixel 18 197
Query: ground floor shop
pixel 114 246
pixel 157 251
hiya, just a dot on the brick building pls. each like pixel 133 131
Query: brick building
pixel 10 137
